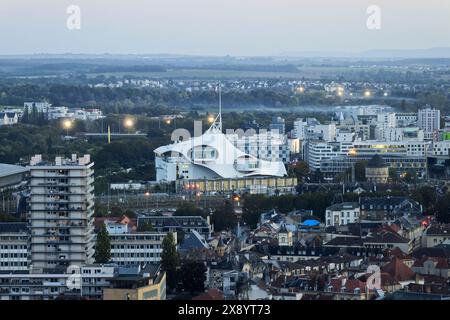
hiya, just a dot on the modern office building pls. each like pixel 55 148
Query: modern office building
pixel 61 210
pixel 264 145
pixel 429 120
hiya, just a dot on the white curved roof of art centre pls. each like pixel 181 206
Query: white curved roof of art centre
pixel 227 158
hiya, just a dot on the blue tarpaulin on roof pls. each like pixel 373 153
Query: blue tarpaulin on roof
pixel 310 223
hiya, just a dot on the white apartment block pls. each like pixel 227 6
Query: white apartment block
pixel 61 210
pixel 54 113
pixel 441 148
pixel 393 148
pixel 326 132
pixel 13 246
pixel 40 107
pixel 361 131
pixel 387 120
pixel 304 130
pixel 399 134
pixel 137 248
pixel 429 121
pixel 341 214
pixel 134 248
pixel 406 119
pixel 87 281
pixel 264 145
pixel 318 151
pixel 300 129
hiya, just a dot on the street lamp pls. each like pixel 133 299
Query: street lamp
pixel 210 119
pixel 147 195
pixel 128 123
pixel 67 124
pixel 367 93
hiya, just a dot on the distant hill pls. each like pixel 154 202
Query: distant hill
pixel 432 53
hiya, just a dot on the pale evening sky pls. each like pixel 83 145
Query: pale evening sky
pixel 220 27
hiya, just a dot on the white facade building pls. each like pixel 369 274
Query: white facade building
pixel 265 145
pixel 40 107
pixel 342 214
pixel 13 246
pixel 8 118
pixel 61 210
pixel 399 134
pixel 318 151
pixel 213 156
pixel 406 119
pixel 137 247
pixel 441 148
pixel 429 120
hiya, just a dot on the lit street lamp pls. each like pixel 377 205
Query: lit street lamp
pixel 67 124
pixel 128 123
pixel 147 195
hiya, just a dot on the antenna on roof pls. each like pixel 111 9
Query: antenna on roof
pixel 217 124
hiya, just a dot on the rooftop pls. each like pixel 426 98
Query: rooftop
pixel 344 206
pixel 13 227
pixel 9 169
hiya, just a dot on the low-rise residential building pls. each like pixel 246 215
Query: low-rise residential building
pixel 137 283
pixel 183 224
pixel 87 281
pixel 8 118
pixel 342 213
pixel 436 234
pixel 432 266
pixel 14 241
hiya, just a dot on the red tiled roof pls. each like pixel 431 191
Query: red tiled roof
pixel 349 284
pixel 398 270
pixel 211 294
pixel 440 263
pixel 398 253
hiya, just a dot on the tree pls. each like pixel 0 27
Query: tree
pixel 193 276
pixel 145 227
pixel 393 174
pixel 301 170
pixel 443 209
pixel 170 260
pixel 187 208
pixel 426 196
pixel 103 246
pixel 410 176
pixel 224 217
pixel 360 171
